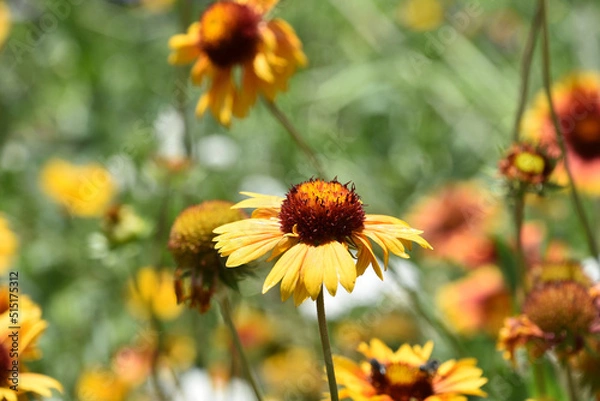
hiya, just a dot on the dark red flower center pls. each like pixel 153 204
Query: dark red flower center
pixel 5 365
pixel 581 124
pixel 402 382
pixel 322 211
pixel 229 33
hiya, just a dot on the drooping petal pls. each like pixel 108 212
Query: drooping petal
pixel 290 260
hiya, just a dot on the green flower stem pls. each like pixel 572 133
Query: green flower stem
pixel 546 68
pixel 156 327
pixel 519 217
pixel 539 378
pixel 326 347
pixel 526 70
pixel 227 317
pixel 570 382
pixel 289 127
pixel 181 93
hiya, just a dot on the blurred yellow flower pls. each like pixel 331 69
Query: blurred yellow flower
pixel 83 191
pixel 122 224
pixel 577 103
pixel 4 22
pixel 157 6
pixel 313 229
pixel 234 34
pixel 408 373
pixel 152 294
pixel 292 374
pixel 101 385
pixel 478 302
pixel 421 15
pixel 13 356
pixel 9 244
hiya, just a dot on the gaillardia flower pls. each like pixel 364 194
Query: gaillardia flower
pixel 459 219
pixel 526 164
pixel 235 34
pixel 313 229
pixel 407 374
pixel 199 265
pixel 15 377
pixel 478 302
pixel 577 103
pixel 83 190
pixel 9 244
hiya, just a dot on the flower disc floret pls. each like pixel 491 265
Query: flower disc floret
pixel 229 33
pixel 320 212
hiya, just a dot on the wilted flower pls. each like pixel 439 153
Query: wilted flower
pixel 558 313
pixel 313 229
pixel 151 294
pixel 408 373
pixel 518 332
pixel 478 302
pixel 235 34
pixel 83 191
pixel 8 244
pixel 577 103
pixel 199 266
pixel 13 371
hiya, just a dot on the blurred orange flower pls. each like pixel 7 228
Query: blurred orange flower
pixel 235 33
pixel 577 103
pixel 478 302
pixel 458 220
pixel 83 191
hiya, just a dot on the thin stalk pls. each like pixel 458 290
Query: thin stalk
pixel 546 75
pixel 326 347
pixel 227 317
pixel 570 382
pixel 539 378
pixel 181 93
pixel 160 394
pixel 526 70
pixel 519 217
pixel 289 127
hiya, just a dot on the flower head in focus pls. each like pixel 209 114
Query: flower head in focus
pixel 231 35
pixel 83 190
pixel 199 266
pixel 577 103
pixel 9 244
pixel 312 230
pixel 408 373
pixel 151 294
pixel 31 327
